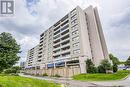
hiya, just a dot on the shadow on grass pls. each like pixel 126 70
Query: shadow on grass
pixel 1 86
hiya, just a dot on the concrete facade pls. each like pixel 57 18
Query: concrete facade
pixel 65 46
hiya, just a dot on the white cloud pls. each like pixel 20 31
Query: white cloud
pixel 27 27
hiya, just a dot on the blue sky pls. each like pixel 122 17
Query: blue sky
pixel 32 17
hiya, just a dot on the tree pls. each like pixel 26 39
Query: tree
pixel 104 66
pixel 128 62
pixel 8 51
pixel 114 59
pixel 90 66
pixel 115 62
pixel 101 69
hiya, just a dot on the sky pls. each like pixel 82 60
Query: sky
pixel 32 17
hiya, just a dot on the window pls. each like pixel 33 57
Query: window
pixel 76 51
pixel 65 27
pixel 73 17
pixel 75 32
pixel 76 44
pixel 73 11
pixel 75 27
pixel 75 38
pixel 74 22
pixel 56 36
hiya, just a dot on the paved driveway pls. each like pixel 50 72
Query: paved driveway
pixel 67 82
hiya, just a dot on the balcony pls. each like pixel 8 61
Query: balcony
pixel 56 29
pixel 65 32
pixel 57 32
pixel 40 52
pixel 54 49
pixel 56 46
pixel 56 37
pixel 66 22
pixel 56 57
pixel 42 35
pixel 73 12
pixel 57 53
pixel 41 45
pixel 56 41
pixel 67 39
pixel 57 24
pixel 41 38
pixel 72 62
pixel 65 51
pixel 64 18
pixel 64 27
pixel 74 17
pixel 40 56
pixel 65 45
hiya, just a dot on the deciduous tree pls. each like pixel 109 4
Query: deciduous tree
pixel 8 51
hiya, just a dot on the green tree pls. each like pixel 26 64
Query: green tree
pixel 101 69
pixel 114 59
pixel 8 51
pixel 105 65
pixel 128 61
pixel 90 66
pixel 115 62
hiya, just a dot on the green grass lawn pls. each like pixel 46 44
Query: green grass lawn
pixel 17 81
pixel 102 77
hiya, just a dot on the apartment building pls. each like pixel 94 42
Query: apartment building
pixel 66 45
pixel 32 57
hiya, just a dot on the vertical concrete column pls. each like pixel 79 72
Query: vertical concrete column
pixel 46 66
pixel 65 65
pixel 54 70
pixel 66 71
pixel 82 64
pixel 54 65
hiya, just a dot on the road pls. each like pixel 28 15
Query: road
pixel 64 81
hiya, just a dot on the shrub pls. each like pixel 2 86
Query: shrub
pixel 101 69
pixel 14 69
pixel 45 74
pixel 7 71
pixel 115 68
pixel 56 75
pixel 90 66
pixel 14 74
pixel 37 74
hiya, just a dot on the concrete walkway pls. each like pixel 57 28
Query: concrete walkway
pixel 65 81
pixel 122 83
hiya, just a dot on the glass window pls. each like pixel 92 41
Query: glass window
pixel 74 22
pixel 76 44
pixel 75 38
pixel 76 51
pixel 75 27
pixel 75 32
pixel 73 17
pixel 73 11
